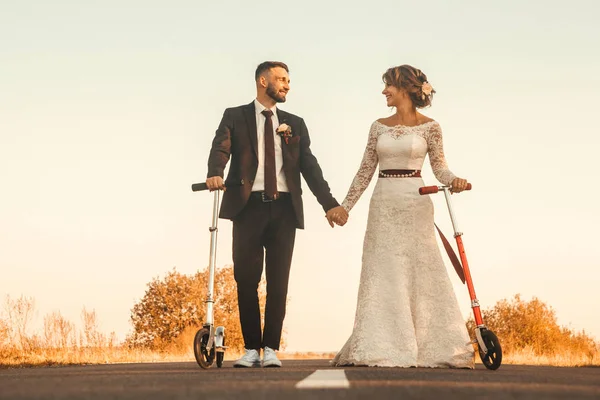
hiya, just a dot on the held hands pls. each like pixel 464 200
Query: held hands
pixel 458 185
pixel 215 183
pixel 337 215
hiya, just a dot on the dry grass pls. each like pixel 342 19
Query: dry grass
pixel 528 357
pixel 88 356
pixel 528 333
pixel 62 343
pixel 76 356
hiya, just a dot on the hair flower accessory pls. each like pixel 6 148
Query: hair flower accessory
pixel 426 89
pixel 285 131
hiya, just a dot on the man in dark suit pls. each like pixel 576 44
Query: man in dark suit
pixel 269 149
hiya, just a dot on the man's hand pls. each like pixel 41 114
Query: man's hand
pixel 337 215
pixel 458 185
pixel 215 183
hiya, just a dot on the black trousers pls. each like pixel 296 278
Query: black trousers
pixel 263 228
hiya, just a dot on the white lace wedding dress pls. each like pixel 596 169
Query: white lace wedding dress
pixel 407 313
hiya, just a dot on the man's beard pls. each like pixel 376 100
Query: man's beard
pixel 274 94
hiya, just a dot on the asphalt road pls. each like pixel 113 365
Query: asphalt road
pixel 188 381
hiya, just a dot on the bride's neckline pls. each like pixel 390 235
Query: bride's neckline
pixel 405 126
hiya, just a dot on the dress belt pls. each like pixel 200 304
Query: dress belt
pixel 400 173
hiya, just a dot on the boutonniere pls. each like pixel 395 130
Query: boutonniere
pixel 285 131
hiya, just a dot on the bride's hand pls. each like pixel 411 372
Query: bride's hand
pixel 458 185
pixel 337 215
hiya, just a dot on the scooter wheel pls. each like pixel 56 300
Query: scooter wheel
pixel 204 356
pixel 493 357
pixel 220 356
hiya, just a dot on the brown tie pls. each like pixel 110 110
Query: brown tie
pixel 270 176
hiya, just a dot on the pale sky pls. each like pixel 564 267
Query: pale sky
pixel 108 109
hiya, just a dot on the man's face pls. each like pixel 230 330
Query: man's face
pixel 278 84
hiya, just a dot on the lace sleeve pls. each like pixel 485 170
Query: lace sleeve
pixel 365 172
pixel 435 147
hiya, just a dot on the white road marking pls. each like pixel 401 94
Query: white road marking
pixel 325 378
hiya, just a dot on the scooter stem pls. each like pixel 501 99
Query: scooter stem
pixel 213 259
pixel 447 193
pixel 463 259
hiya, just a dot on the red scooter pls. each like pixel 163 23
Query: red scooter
pixel 490 350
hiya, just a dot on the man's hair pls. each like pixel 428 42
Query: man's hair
pixel 267 65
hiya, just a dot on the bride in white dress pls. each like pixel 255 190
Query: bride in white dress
pixel 407 313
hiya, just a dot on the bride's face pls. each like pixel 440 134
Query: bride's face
pixel 393 95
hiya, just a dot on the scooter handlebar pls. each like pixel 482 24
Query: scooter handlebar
pixel 434 189
pixel 196 187
pixel 428 190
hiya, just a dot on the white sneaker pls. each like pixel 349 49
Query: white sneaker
pixel 270 358
pixel 248 360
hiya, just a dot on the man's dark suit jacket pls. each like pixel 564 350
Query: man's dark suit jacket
pixel 236 138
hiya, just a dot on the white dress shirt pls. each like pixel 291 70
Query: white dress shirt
pixel 259 180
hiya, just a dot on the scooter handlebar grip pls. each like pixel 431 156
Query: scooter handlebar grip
pixel 428 190
pixel 196 187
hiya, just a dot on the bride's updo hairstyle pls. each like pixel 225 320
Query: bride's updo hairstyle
pixel 414 81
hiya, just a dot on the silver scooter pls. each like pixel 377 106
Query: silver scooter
pixel 209 342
